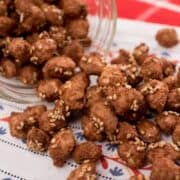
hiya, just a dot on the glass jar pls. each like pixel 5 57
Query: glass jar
pixel 102 18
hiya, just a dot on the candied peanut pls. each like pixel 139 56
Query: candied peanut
pixel 156 94
pixel 138 177
pixel 37 140
pixel 162 149
pixel 133 153
pixel 92 64
pixel 140 53
pixel 78 28
pixel 176 134
pixel 6 25
pixel 29 75
pixel 173 100
pixel 18 125
pixel 8 68
pixel 148 131
pixel 53 14
pixel 73 91
pixel 165 168
pixel 90 130
pixel 167 37
pixel 167 121
pixel 74 50
pixel 87 171
pixel 152 68
pixel 49 89
pixel 172 82
pixel 87 151
pixel 42 50
pixel 61 146
pixel 52 121
pixel 168 67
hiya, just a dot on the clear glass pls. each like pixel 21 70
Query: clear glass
pixel 102 18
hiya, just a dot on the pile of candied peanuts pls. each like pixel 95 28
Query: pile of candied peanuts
pixel 45 50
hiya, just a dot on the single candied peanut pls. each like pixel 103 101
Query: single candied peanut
pixel 59 67
pixel 176 134
pixel 162 149
pixel 156 94
pixel 87 171
pixel 133 153
pixel 165 168
pixel 173 100
pixel 33 114
pixel 148 131
pixel 92 64
pixel 42 50
pixel 91 129
pixel 53 14
pixel 152 68
pixel 73 91
pixel 167 121
pixel 19 49
pixel 18 125
pixel 87 151
pixel 61 146
pixel 78 28
pixel 74 50
pixel 8 68
pixel 140 53
pixel 37 140
pixel 52 121
pixel 172 82
pixel 6 25
pixel 29 75
pixel 49 89
pixel 167 37
pixel 168 67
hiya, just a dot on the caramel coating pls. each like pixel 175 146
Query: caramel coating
pixel 162 149
pixel 59 67
pixel 6 25
pixel 167 121
pixel 78 28
pixel 104 118
pixel 152 69
pixel 156 94
pixel 42 50
pixel 165 168
pixel 90 130
pixel 19 49
pixel 52 121
pixel 176 134
pixel 73 7
pixel 112 76
pixel 172 82
pixel 168 67
pixel 138 177
pixel 86 171
pixel 61 146
pixel 126 132
pixel 73 50
pixel 18 125
pixel 167 37
pixel 86 151
pixel 127 102
pixel 173 100
pixel 148 131
pixel 3 8
pixel 92 64
pixel 29 75
pixel 140 53
pixel 37 140
pixel 49 89
pixel 53 14
pixel 31 18
pixel 8 68
pixel 33 113
pixel 132 153
pixel 73 91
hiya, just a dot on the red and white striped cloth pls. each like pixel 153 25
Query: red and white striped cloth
pixel 156 11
